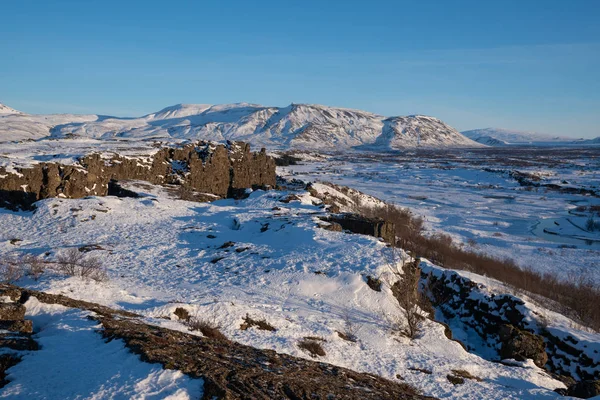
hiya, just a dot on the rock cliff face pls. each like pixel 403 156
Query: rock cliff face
pixel 501 322
pixel 221 170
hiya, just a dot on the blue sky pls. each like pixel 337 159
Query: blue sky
pixel 527 65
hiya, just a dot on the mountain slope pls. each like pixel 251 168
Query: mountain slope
pixel 304 126
pixel 416 130
pixel 7 110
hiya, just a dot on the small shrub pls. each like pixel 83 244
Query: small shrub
pixel 207 326
pixel 74 263
pixel 351 329
pixel 592 225
pixel 261 324
pixel 405 289
pixel 14 268
pixel 10 271
pixel 465 374
pixel 34 267
pixel 312 346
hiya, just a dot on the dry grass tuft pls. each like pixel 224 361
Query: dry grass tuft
pixel 312 346
pixel 261 324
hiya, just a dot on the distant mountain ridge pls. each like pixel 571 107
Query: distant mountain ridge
pixel 306 126
pixel 505 137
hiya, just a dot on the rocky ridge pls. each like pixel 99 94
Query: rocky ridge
pixel 216 170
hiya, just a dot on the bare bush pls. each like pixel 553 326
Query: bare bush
pixel 592 225
pixel 73 262
pixel 350 330
pixel 33 266
pixel 10 271
pixel 16 267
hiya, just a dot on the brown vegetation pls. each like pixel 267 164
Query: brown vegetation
pixel 577 296
pixel 207 326
pixel 312 346
pixel 261 324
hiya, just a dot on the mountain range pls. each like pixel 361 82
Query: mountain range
pixel 506 137
pixel 303 126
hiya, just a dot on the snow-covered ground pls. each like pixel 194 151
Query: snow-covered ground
pixel 471 196
pixel 163 253
pixel 75 362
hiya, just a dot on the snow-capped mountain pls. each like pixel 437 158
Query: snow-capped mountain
pixel 503 137
pixel 592 142
pixel 7 110
pixel 18 126
pixel 304 126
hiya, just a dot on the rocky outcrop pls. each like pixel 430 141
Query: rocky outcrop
pixel 501 322
pixel 366 226
pixel 234 371
pixel 15 330
pixel 221 170
pixel 585 389
pixel 520 345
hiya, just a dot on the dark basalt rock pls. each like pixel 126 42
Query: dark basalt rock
pixel 585 389
pixel 12 311
pixel 22 326
pixel 7 361
pixel 461 303
pixel 366 226
pixel 221 170
pixel 520 345
pixel 234 371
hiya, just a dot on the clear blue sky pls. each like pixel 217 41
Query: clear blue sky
pixel 528 65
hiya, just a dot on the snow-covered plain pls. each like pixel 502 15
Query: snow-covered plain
pixel 163 253
pixel 471 196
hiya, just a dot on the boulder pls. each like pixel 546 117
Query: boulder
pixel 585 389
pixel 366 226
pixel 11 292
pixel 520 345
pixel 12 312
pixel 23 326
